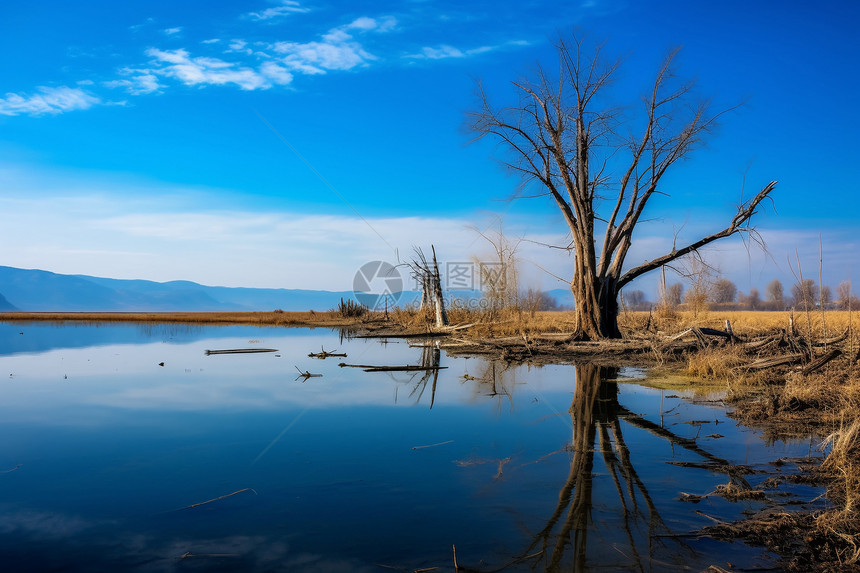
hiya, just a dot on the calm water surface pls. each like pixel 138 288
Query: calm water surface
pixel 112 462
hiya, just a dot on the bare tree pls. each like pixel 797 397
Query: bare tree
pixel 845 299
pixel 805 293
pixel 701 280
pixel 561 138
pixel 635 299
pixel 825 296
pixel 427 275
pixel 753 301
pixel 723 291
pixel 775 294
pixel 674 294
pixel 499 277
pixel 535 300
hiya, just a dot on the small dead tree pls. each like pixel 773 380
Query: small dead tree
pixel 701 280
pixel 427 275
pixel 599 175
pixel 499 277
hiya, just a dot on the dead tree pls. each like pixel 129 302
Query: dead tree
pixel 430 280
pixel 601 179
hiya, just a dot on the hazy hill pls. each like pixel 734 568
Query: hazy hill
pixel 5 305
pixel 35 290
pixel 43 291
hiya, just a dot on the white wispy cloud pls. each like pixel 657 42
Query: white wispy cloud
pixel 47 101
pixel 277 73
pixel 137 82
pixel 172 31
pixel 239 46
pixel 145 23
pixel 337 49
pixel 384 24
pixel 285 8
pixel 445 51
pixel 189 70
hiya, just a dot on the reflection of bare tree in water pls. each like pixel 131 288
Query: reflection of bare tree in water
pixel 595 414
pixel 495 380
pixel 430 358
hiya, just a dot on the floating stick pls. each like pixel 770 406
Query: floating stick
pixel 432 445
pixel 219 498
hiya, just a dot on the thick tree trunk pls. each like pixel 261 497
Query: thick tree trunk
pixel 596 308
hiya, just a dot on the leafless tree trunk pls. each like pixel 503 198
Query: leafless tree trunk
pixel 441 313
pixel 431 286
pixel 560 138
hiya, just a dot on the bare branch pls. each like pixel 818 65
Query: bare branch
pixel 745 212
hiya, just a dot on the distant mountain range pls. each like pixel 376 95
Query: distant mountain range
pixel 42 291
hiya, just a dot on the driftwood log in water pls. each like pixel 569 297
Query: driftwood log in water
pixel 325 354
pixel 407 368
pixel 306 374
pixel 241 351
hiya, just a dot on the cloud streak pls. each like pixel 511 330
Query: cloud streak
pixel 286 8
pixel 192 71
pixel 336 50
pixel 445 51
pixel 47 101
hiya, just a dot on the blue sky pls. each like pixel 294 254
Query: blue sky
pixel 284 143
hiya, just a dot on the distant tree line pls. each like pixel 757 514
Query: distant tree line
pixel 721 293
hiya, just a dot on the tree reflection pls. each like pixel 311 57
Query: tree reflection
pixel 419 380
pixel 595 416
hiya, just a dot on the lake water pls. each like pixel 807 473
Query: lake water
pixel 111 461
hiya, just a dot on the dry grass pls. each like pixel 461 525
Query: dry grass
pixel 843 464
pixel 744 323
pixel 504 322
pixel 834 393
pixel 720 363
pixel 752 323
pixel 844 460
